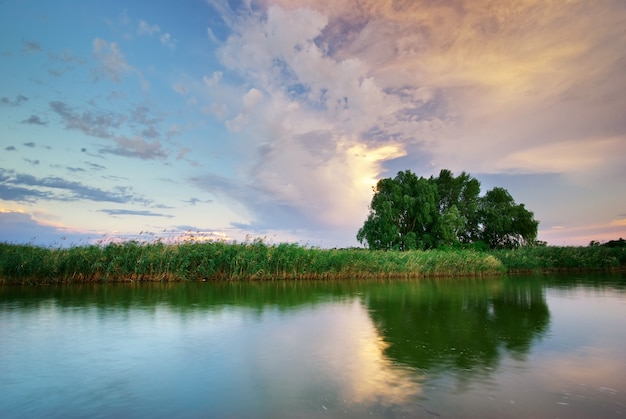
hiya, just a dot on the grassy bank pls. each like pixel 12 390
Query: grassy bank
pixel 257 260
pixel 227 261
pixel 555 259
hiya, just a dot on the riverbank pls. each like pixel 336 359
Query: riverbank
pixel 209 261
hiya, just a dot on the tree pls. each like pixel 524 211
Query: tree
pixel 402 214
pixel 458 204
pixel 504 223
pixel 411 212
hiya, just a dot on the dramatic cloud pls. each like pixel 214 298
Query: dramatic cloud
pixel 495 65
pixel 281 115
pixel 337 94
pixel 303 119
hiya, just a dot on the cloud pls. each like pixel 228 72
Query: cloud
pixel 511 74
pixel 31 47
pixel 143 213
pixel 113 65
pixel 335 95
pixel 212 36
pixel 167 40
pixel 10 148
pixel 95 166
pixel 213 80
pixel 20 227
pixel 146 29
pixel 252 97
pixel 30 144
pixel 138 148
pixel 19 99
pixel 22 187
pixel 105 125
pixel 144 116
pixel 194 201
pixel 180 88
pixel 97 124
pixel 34 120
pixel 302 119
pixel 182 153
pixel 67 57
pixel 20 194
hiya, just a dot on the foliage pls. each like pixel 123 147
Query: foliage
pixel 505 224
pixel 404 215
pixel 410 212
pixel 615 243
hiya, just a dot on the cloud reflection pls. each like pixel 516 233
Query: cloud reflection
pixel 345 368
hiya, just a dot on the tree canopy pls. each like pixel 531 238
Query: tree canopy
pixel 411 212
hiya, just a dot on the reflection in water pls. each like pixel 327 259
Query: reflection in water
pixel 450 325
pixel 265 350
pixel 339 352
pixel 472 348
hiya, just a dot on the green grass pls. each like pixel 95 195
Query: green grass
pixel 257 260
pixel 554 259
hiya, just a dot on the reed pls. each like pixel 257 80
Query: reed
pixel 256 260
pixel 554 259
pixel 156 261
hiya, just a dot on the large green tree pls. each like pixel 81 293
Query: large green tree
pixel 458 202
pixel 403 214
pixel 411 212
pixel 505 224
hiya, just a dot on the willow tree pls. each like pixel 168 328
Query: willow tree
pixel 411 212
pixel 505 224
pixel 403 214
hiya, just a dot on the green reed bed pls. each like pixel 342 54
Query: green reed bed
pixel 554 259
pixel 157 261
pixel 229 261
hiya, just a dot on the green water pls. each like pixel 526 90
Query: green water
pixel 502 348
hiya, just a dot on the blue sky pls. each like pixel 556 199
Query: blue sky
pixel 274 119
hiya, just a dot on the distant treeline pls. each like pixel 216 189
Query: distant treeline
pixel 210 261
pixel 611 243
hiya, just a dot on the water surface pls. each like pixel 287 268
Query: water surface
pixel 499 347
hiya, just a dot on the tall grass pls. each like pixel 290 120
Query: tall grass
pixel 549 258
pixel 256 260
pixel 228 261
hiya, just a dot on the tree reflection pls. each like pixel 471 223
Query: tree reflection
pixel 464 325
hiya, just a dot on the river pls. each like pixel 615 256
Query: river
pixel 506 347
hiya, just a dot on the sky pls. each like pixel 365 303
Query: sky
pixel 273 119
